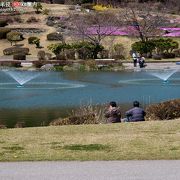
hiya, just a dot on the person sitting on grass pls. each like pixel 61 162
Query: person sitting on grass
pixel 113 113
pixel 135 114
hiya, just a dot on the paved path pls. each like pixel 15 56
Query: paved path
pixel 92 170
pixel 151 66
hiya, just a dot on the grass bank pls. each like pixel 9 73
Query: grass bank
pixel 125 141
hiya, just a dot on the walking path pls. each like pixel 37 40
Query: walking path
pixel 91 170
pixel 151 66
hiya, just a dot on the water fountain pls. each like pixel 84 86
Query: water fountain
pixel 23 80
pixel 163 74
pixel 49 94
pixel 163 77
pixel 22 77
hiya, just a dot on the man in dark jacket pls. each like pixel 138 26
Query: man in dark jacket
pixel 135 114
pixel 113 113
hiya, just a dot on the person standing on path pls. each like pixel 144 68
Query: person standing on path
pixel 135 58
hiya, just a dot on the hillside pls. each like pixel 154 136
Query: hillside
pixel 125 141
pixel 58 10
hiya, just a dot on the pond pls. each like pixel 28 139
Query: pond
pixel 37 98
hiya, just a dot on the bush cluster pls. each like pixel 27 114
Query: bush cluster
pixel 41 55
pixel 4 32
pixel 31 39
pixel 118 51
pixel 162 47
pixel 164 111
pixel 14 36
pixel 167 55
pixel 32 20
pixel 15 50
pixel 55 37
pixel 177 52
pixel 86 50
pixel 75 120
pixel 143 47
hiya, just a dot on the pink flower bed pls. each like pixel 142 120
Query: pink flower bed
pixel 170 29
pixel 127 31
pixel 173 34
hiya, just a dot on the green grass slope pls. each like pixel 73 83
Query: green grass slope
pixel 125 141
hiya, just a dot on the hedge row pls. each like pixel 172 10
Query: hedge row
pixel 55 37
pixel 16 50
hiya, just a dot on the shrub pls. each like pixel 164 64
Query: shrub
pixel 48 56
pixel 143 47
pixel 50 22
pixel 37 6
pixel 16 50
pixel 57 48
pixel 177 52
pixel 165 45
pixel 167 55
pixel 164 111
pixel 91 65
pixel 87 50
pixel 118 51
pixel 32 20
pixel 55 37
pixel 41 55
pixel 156 56
pixel 3 23
pixel 4 32
pixel 31 39
pixel 45 11
pixel 19 57
pixel 69 53
pixel 36 42
pixel 14 36
pixel 18 19
pixel 75 120
pixel 61 56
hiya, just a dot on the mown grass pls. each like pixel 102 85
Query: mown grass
pixel 125 141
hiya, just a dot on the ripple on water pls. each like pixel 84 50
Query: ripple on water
pixel 40 85
pixel 170 82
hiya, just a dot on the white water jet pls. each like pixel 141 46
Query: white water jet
pixel 164 75
pixel 22 77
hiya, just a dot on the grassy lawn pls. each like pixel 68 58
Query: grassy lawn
pixel 146 140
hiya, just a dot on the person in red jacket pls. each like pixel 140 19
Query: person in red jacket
pixel 113 113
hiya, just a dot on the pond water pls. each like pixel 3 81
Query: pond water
pixel 49 95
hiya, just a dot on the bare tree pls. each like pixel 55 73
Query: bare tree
pixel 95 26
pixel 145 24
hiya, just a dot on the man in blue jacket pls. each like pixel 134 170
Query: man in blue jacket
pixel 136 113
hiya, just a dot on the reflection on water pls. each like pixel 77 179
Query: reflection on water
pixel 31 117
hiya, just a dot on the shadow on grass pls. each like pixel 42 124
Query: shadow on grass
pixel 88 147
pixel 13 148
